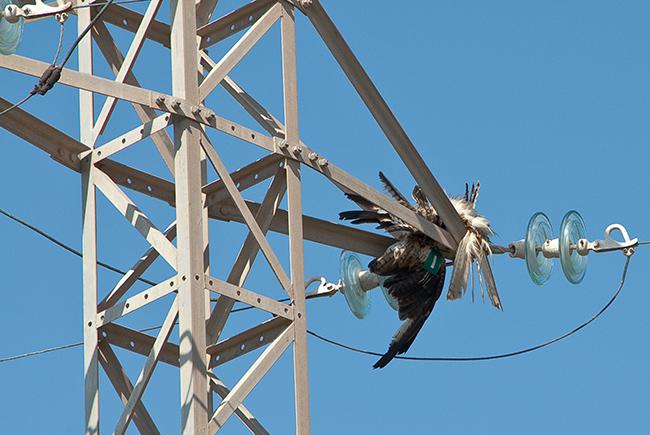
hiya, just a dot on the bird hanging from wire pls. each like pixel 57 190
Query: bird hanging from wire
pixel 415 264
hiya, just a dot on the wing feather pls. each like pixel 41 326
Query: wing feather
pixel 394 192
pixel 416 292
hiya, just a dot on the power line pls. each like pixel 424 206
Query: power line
pixel 40 352
pixel 67 247
pixel 489 357
pixel 35 91
pixel 321 337
pixel 96 4
pixel 52 73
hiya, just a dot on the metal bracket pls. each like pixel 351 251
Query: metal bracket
pixel 325 289
pixel 611 244
pixel 13 13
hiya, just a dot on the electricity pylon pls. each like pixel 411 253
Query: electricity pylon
pixel 200 348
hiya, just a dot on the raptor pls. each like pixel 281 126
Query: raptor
pixel 414 266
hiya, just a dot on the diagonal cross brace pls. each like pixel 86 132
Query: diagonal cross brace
pixel 246 256
pixel 127 65
pixel 138 219
pixel 384 117
pixel 252 377
pixel 114 57
pixel 148 369
pixel 123 387
pixel 248 216
pixel 239 50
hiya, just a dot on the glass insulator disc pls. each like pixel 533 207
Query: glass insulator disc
pixel 10 33
pixel 357 299
pixel 572 229
pixel 538 232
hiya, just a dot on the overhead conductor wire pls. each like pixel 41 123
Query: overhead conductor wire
pixel 53 72
pixel 321 337
pixel 33 92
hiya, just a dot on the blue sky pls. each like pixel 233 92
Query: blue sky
pixel 545 102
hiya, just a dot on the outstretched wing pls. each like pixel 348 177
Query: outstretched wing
pixel 416 292
pixel 373 214
pixel 394 192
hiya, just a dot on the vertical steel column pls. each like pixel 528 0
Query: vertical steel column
pixel 89 236
pixel 204 9
pixel 294 193
pixel 189 217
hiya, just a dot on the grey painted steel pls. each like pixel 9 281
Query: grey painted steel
pixel 114 57
pixel 89 240
pixel 252 224
pixel 249 380
pixel 384 117
pixel 296 242
pixel 232 23
pixel 137 301
pixel 229 349
pixel 127 65
pixel 196 200
pixel 249 297
pixel 189 213
pixel 242 412
pixel 123 387
pixel 147 370
pixel 246 256
pixel 246 341
pixel 239 50
pixel 125 283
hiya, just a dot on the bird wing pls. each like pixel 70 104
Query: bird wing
pixel 394 192
pixel 371 213
pixel 416 292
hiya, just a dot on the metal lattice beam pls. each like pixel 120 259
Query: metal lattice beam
pixel 186 152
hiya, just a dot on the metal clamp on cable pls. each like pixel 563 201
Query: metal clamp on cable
pixel 13 13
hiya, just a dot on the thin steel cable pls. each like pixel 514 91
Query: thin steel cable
pixel 84 32
pixel 488 357
pixel 60 44
pixel 96 4
pixel 46 81
pixel 67 247
pixel 18 104
pixel 40 352
pixel 320 337
pixel 31 94
pixel 408 358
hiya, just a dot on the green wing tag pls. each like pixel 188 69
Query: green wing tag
pixel 433 262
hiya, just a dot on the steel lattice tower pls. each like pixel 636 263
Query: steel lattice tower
pixel 200 347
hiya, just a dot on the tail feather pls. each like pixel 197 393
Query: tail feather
pixel 470 249
pixel 486 271
pixel 462 266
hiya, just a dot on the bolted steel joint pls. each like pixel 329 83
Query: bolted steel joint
pixel 323 162
pixel 313 156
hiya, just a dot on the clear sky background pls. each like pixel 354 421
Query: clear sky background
pixel 547 103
